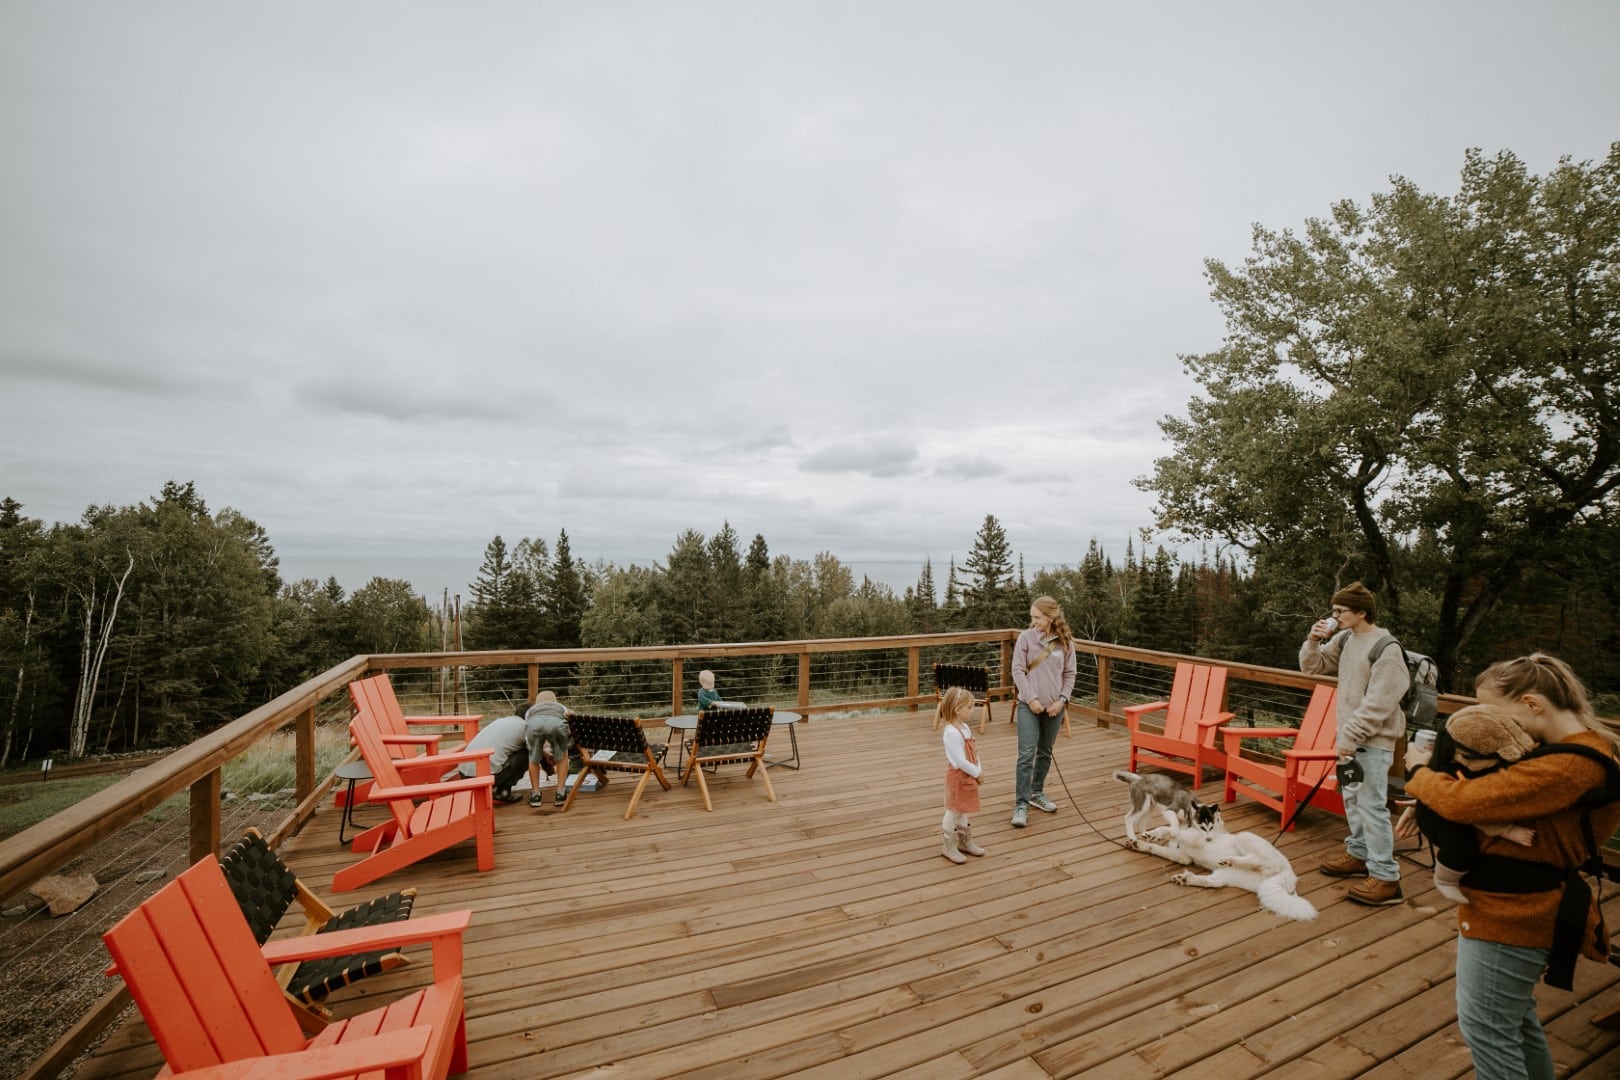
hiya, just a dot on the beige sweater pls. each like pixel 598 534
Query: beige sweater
pixel 1369 698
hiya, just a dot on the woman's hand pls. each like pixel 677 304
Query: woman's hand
pixel 1406 824
pixel 1417 755
pixel 1036 707
pixel 1056 709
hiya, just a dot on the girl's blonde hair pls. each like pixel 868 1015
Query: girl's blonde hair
pixel 952 703
pixel 1550 678
pixel 1060 626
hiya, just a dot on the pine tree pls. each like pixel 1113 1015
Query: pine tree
pixel 989 565
pixel 922 603
pixel 566 599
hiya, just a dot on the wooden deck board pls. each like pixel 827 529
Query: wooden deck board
pixel 823 936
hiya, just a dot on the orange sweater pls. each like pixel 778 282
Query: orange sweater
pixel 1539 793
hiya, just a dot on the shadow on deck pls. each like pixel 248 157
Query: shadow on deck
pixel 825 936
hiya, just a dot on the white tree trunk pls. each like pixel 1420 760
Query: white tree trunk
pixel 92 651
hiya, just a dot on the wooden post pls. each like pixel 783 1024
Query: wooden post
pixel 304 767
pixel 913 661
pixel 205 816
pixel 804 679
pixel 678 677
pixel 1105 675
pixel 1006 663
pixel 534 682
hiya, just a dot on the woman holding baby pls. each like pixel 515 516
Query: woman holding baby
pixel 1509 933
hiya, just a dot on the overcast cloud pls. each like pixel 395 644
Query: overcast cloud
pixel 391 278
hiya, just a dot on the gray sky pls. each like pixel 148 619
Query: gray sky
pixel 391 278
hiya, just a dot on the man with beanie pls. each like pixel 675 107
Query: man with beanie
pixel 1370 721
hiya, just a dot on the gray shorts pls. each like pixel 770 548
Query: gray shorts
pixel 547 735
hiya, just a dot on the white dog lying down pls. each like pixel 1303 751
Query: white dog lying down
pixel 1240 859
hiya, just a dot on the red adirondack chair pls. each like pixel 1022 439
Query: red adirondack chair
pixel 1283 787
pixel 205 987
pixel 427 817
pixel 1191 716
pixel 376 693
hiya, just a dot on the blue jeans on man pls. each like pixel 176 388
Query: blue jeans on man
pixel 1372 834
pixel 1036 734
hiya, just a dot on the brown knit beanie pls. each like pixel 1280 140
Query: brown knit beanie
pixel 1357 597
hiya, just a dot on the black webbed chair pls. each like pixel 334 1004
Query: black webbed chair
pixel 618 743
pixel 730 735
pixel 266 889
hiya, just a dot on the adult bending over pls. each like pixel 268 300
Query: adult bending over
pixel 1509 928
pixel 1043 671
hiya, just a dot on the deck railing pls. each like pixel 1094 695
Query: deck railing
pixel 811 677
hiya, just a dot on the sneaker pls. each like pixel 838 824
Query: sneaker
pixel 538 799
pixel 507 795
pixel 1376 893
pixel 562 797
pixel 1041 802
pixel 1344 866
pixel 1020 817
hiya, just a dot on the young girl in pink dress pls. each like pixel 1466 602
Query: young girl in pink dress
pixel 963 775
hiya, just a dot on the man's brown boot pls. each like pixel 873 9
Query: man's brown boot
pixel 1376 893
pixel 1344 866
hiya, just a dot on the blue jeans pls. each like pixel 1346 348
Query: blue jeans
pixel 1036 734
pixel 1372 834
pixel 1496 1009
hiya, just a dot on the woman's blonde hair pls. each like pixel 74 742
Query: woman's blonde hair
pixel 1550 678
pixel 1060 626
pixel 952 703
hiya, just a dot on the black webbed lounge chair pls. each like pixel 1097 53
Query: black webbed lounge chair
pixel 623 738
pixel 266 888
pixel 726 735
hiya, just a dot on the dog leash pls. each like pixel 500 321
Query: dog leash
pixel 1309 795
pixel 1076 804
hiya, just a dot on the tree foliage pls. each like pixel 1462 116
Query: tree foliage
pixel 1420 393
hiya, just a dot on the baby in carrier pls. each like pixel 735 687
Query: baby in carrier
pixel 1477 740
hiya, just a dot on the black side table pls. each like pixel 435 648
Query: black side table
pixel 354 772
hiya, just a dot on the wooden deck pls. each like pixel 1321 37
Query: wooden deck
pixel 825 937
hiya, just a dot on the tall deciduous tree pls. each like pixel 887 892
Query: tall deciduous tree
pixel 1433 368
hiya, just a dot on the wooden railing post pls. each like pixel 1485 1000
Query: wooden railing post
pixel 913 661
pixel 678 677
pixel 205 816
pixel 534 682
pixel 804 678
pixel 304 754
pixel 1105 673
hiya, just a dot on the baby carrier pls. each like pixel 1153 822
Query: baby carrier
pixel 1503 874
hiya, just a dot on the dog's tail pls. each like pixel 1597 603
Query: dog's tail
pixel 1278 897
pixel 1125 777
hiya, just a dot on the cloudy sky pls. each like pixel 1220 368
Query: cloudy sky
pixel 392 278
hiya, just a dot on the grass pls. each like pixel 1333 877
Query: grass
pixel 25 805
pixel 269 768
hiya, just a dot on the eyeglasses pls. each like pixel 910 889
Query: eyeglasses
pixel 1340 610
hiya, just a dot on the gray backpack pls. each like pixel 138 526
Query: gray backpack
pixel 1419 703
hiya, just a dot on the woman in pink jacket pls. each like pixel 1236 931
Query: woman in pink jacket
pixel 1043 671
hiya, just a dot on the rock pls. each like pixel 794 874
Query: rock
pixel 65 895
pixel 150 875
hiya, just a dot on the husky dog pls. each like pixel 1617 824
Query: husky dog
pixel 1242 859
pixel 1156 790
